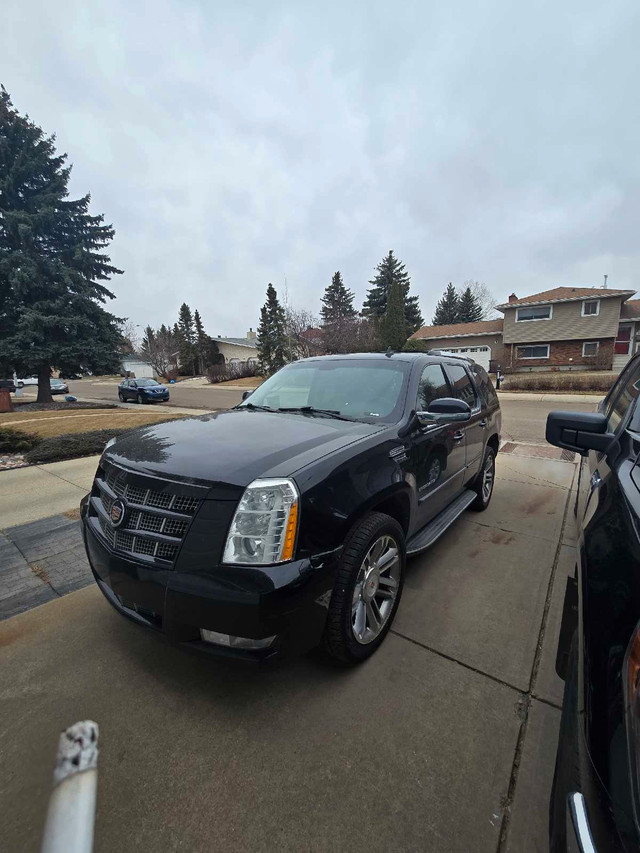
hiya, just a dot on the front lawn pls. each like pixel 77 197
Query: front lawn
pixel 47 424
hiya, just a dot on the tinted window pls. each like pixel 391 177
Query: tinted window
pixel 461 384
pixel 432 386
pixel 145 383
pixel 484 385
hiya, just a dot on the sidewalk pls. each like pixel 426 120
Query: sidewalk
pixel 542 396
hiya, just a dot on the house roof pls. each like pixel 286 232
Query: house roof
pixel 252 343
pixel 566 294
pixel 459 330
pixel 630 310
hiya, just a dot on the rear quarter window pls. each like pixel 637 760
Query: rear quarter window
pixel 485 387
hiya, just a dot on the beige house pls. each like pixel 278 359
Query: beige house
pixel 238 351
pixel 567 328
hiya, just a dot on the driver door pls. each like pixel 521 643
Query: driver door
pixel 437 450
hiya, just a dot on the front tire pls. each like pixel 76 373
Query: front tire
pixel 566 776
pixel 483 486
pixel 121 396
pixel 140 399
pixel 368 589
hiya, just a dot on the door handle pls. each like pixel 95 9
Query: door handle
pixel 458 436
pixel 483 422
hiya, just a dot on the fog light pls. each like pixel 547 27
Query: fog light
pixel 232 642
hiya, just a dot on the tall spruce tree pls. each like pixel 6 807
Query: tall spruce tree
pixel 201 342
pixel 469 308
pixel 447 309
pixel 272 343
pixel 394 324
pixel 375 305
pixel 52 262
pixel 337 302
pixel 187 344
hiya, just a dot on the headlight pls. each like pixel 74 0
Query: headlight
pixel 263 530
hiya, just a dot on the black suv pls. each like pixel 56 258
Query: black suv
pixel 286 521
pixel 595 803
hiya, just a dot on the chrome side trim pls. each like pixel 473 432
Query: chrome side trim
pixel 579 838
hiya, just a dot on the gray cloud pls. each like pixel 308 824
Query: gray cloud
pixel 236 144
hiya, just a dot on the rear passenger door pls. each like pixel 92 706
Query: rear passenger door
pixel 475 428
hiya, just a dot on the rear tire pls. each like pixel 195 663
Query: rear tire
pixel 367 590
pixel 566 777
pixel 483 485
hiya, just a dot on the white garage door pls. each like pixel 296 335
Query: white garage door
pixel 481 355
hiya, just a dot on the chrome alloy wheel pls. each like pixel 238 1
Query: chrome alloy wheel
pixel 488 475
pixel 376 589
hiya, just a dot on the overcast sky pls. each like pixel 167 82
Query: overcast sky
pixel 236 143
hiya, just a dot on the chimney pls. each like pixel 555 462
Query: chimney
pixel 251 335
pixel 513 298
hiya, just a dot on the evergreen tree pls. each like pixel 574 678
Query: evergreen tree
pixel 337 302
pixel 394 324
pixel 375 305
pixel 447 309
pixel 52 262
pixel 272 344
pixel 187 343
pixel 207 352
pixel 469 309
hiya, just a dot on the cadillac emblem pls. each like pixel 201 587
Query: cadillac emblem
pixel 118 512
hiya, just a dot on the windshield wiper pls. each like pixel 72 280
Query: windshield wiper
pixel 259 408
pixel 311 410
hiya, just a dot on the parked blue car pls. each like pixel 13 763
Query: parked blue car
pixel 142 391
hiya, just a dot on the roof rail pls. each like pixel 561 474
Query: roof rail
pixel 450 354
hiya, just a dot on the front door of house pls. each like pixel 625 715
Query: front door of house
pixel 623 340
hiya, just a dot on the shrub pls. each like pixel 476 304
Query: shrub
pixel 226 372
pixel 16 441
pixel 71 446
pixel 558 382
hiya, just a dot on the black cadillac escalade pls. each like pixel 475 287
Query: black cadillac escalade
pixel 285 522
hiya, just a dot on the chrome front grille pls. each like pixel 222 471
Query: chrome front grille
pixel 158 514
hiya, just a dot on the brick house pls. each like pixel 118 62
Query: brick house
pixel 567 328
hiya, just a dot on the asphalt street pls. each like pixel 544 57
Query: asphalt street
pixel 523 419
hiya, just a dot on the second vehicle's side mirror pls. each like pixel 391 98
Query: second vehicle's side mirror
pixel 246 394
pixel 445 410
pixel 578 431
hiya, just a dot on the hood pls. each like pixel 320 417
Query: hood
pixel 230 449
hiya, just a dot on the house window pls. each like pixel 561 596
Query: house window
pixel 537 351
pixel 536 312
pixel 590 349
pixel 591 308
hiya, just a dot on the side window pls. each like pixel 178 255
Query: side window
pixel 461 384
pixel 619 403
pixel 484 385
pixel 432 386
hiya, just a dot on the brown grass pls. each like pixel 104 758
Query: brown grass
pixel 247 382
pixel 566 382
pixel 52 423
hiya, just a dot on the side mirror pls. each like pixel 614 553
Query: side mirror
pixel 246 394
pixel 578 431
pixel 445 410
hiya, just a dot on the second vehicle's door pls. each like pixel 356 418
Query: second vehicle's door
pixel 437 450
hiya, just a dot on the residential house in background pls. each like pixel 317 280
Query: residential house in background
pixel 567 328
pixel 136 367
pixel 239 351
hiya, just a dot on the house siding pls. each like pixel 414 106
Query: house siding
pixel 566 323
pixel 230 351
pixel 563 354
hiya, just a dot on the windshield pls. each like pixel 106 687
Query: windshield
pixel 144 383
pixel 367 390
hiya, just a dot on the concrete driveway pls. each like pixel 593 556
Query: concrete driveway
pixel 443 741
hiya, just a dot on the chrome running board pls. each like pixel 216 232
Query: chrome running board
pixel 437 526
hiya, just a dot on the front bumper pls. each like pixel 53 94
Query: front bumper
pixel 289 601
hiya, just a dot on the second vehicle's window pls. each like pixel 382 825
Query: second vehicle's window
pixel 462 387
pixel 432 386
